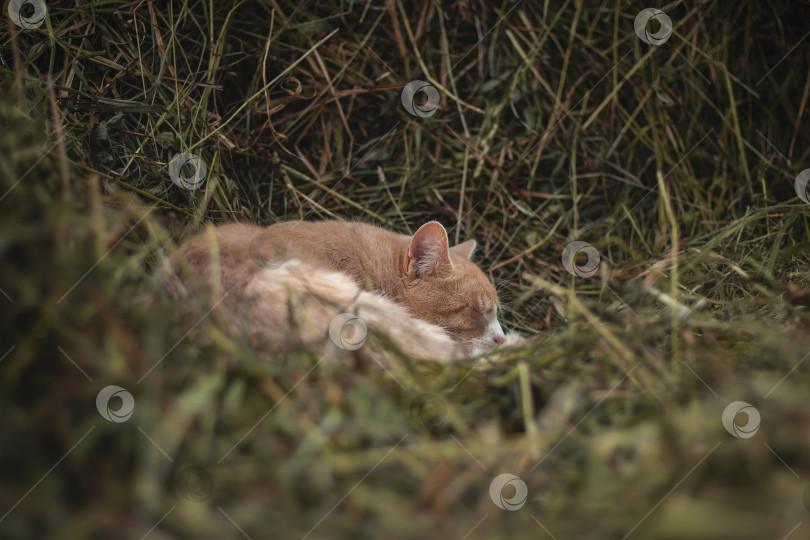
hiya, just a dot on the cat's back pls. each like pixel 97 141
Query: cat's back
pixel 336 232
pixel 352 247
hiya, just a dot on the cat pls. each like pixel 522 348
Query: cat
pixel 287 283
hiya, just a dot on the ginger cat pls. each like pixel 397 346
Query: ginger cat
pixel 426 296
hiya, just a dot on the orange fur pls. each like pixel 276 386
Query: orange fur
pixel 347 263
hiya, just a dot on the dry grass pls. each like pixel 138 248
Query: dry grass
pixel 556 123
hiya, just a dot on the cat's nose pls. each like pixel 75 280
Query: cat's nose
pixel 496 332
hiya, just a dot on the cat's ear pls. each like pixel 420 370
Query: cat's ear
pixel 428 251
pixel 464 249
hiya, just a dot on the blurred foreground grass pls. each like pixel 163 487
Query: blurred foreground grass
pixel 556 123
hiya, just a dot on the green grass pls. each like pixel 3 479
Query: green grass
pixel 556 123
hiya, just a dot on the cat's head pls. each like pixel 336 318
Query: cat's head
pixel 443 287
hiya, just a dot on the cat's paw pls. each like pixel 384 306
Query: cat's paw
pixel 513 338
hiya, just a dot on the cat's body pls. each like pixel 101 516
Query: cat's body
pixel 319 298
pixel 429 298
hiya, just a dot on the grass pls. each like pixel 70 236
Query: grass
pixel 556 122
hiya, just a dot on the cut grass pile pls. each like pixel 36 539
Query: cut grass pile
pixel 555 122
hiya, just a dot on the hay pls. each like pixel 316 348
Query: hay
pixel 555 123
